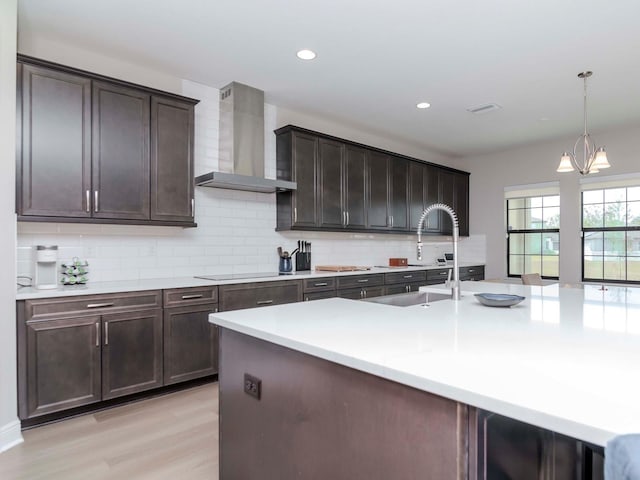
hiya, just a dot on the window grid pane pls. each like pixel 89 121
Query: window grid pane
pixel 611 246
pixel 532 248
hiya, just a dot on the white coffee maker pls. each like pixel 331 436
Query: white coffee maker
pixel 46 267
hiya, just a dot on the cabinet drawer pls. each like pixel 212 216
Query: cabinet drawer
pixel 250 295
pixel 308 296
pixel 43 309
pixel 439 274
pixel 403 288
pixel 319 284
pixel 360 281
pixel 405 277
pixel 190 296
pixel 475 272
pixel 360 293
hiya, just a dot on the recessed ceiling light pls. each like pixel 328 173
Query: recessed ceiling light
pixel 306 54
pixel 423 105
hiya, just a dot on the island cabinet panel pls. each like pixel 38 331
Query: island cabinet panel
pixel 120 152
pixel 94 149
pixel 263 294
pixel 330 421
pixel 54 117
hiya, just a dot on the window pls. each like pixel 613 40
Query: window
pixel 533 232
pixel 611 234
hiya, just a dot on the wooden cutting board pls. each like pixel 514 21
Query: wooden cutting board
pixel 340 268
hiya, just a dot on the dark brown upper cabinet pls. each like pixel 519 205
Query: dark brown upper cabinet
pixel 171 180
pixel 453 188
pixel 120 157
pixel 423 191
pixel 297 160
pixel 343 185
pixel 98 150
pixel 54 173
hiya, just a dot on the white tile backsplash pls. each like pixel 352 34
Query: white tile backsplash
pixel 235 233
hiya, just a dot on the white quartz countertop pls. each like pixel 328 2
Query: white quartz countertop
pixel 95 288
pixel 564 359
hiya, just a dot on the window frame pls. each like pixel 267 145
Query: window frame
pixel 529 230
pixel 625 229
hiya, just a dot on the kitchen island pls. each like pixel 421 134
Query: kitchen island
pixel 341 378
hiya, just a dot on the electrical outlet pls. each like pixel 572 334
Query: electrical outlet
pixel 252 386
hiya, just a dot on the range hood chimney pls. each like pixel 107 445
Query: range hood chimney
pixel 241 153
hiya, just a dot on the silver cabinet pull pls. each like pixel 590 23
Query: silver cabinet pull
pixel 392 220
pixel 443 273
pixel 363 280
pixel 295 214
pixel 264 302
pixel 106 333
pixel 88 200
pixel 408 276
pixel 192 207
pixel 322 284
pixel 215 310
pixel 99 305
pixel 97 334
pixel 189 297
pixel 471 270
pixel 365 293
pixel 347 217
pixel 361 293
pixel 407 288
pixel 95 200
pixel 344 217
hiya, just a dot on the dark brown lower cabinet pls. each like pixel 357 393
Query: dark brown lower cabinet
pixel 62 364
pixel 361 293
pixel 403 288
pixel 263 294
pixel 132 352
pixel 190 343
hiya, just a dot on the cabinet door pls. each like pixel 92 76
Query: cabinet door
pixel 432 195
pixel 355 180
pixel 378 190
pixel 54 175
pixel 171 160
pixel 131 352
pixel 446 181
pixel 398 198
pixel 120 158
pixel 63 364
pixel 417 193
pixel 304 152
pixel 461 201
pixel 190 343
pixel 331 211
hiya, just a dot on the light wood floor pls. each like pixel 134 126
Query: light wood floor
pixel 170 437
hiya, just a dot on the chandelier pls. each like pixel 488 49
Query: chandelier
pixel 593 159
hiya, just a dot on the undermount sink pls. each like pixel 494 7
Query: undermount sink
pixel 409 299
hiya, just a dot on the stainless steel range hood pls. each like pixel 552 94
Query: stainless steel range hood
pixel 241 151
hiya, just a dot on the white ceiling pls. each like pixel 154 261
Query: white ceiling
pixel 377 59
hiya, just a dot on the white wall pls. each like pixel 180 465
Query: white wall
pixel 9 425
pixel 235 232
pixel 491 173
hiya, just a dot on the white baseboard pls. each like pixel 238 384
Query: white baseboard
pixel 10 435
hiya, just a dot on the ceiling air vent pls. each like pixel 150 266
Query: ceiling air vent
pixel 486 108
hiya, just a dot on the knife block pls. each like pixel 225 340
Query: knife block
pixel 303 261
